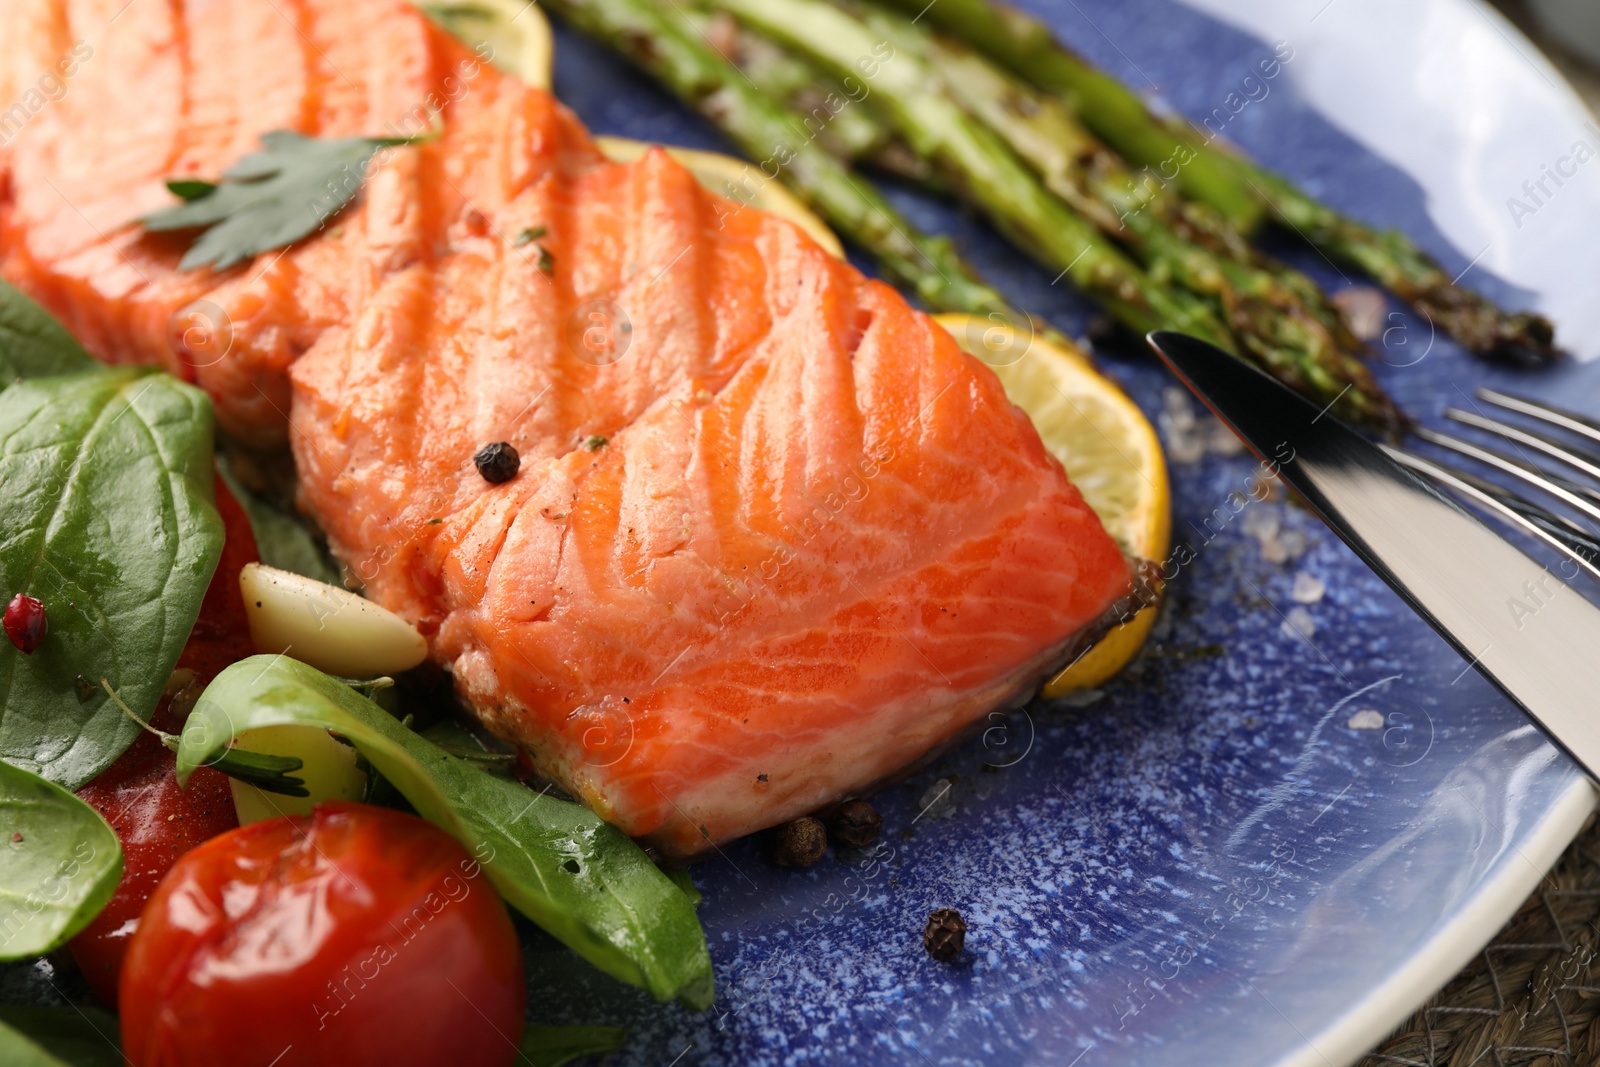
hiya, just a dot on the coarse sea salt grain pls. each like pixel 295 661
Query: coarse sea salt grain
pixel 1363 309
pixel 1366 719
pixel 1308 588
pixel 936 801
pixel 1185 448
pixel 1294 542
pixel 1190 437
pixel 1175 403
pixel 1221 441
pixel 1262 522
pixel 1299 623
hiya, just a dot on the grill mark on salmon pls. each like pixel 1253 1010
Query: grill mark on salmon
pixel 818 542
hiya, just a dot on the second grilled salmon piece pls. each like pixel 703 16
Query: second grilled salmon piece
pixel 773 538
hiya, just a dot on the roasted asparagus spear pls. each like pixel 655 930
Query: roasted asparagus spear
pixel 1181 282
pixel 661 41
pixel 1244 193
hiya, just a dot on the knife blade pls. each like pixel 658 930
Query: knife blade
pixel 1515 620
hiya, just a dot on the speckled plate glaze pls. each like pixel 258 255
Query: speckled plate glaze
pixel 1208 864
pixel 1258 846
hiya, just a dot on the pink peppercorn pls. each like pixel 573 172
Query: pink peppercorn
pixel 25 623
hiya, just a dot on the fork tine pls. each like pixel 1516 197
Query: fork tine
pixel 1585 462
pixel 1566 420
pixel 1518 469
pixel 1572 485
pixel 1556 523
pixel 1583 551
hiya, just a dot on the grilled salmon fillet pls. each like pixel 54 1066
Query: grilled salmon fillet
pixel 773 536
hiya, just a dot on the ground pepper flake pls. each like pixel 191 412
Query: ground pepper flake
pixel 497 462
pixel 800 843
pixel 25 623
pixel 857 824
pixel 945 935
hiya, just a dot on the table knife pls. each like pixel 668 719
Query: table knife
pixel 1518 622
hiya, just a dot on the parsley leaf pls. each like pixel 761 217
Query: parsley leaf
pixel 269 199
pixel 190 188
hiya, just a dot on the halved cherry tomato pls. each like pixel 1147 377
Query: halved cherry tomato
pixel 353 936
pixel 138 795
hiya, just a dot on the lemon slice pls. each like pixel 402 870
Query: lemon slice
pixel 515 31
pixel 1109 449
pixel 736 180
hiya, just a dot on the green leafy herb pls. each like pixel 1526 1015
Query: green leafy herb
pixel 594 442
pixel 32 343
pixel 462 743
pixel 282 539
pixel 190 188
pixel 106 515
pixel 269 199
pixel 683 880
pixel 61 864
pixel 552 1046
pixel 17 1050
pixel 533 233
pixel 75 1036
pixel 559 864
pixel 271 773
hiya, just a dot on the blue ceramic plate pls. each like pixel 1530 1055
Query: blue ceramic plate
pixel 1265 843
pixel 1258 846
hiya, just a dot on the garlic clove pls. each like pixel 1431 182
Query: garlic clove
pixel 328 769
pixel 332 629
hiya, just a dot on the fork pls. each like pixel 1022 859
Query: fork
pixel 1544 437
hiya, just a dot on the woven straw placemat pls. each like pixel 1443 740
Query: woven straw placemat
pixel 1532 998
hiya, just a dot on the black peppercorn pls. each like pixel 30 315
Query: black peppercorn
pixel 857 824
pixel 497 462
pixel 800 843
pixel 945 935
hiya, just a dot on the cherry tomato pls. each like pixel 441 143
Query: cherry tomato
pixel 353 936
pixel 138 794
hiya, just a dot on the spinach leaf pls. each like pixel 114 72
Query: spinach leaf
pixel 552 1046
pixel 269 199
pixel 106 515
pixel 61 864
pixel 282 539
pixel 685 881
pixel 74 1036
pixel 462 743
pixel 580 878
pixel 32 343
